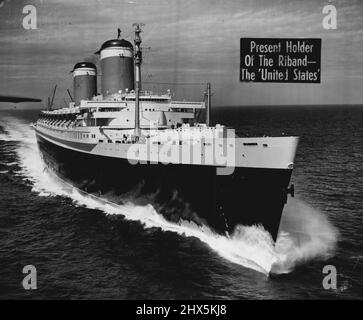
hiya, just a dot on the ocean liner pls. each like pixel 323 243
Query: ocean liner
pixel 127 143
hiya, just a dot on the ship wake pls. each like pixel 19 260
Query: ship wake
pixel 305 233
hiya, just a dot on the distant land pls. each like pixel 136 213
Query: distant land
pixel 15 99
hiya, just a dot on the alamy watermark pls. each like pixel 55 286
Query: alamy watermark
pixel 330 280
pixel 190 145
pixel 330 20
pixel 30 280
pixel 29 20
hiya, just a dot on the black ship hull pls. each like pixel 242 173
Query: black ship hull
pixel 190 192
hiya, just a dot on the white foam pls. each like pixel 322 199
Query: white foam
pixel 305 232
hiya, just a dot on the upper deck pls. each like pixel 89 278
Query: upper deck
pixel 118 111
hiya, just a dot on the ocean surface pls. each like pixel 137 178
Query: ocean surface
pixel 85 249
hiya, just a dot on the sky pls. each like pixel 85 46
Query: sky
pixel 190 41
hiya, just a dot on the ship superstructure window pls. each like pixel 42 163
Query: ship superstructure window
pixel 109 109
pixel 149 99
pixel 153 99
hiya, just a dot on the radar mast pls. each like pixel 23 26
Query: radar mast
pixel 138 60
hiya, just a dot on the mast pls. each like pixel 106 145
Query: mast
pixel 209 106
pixel 70 95
pixel 51 102
pixel 138 60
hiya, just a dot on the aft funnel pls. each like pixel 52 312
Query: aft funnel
pixel 84 81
